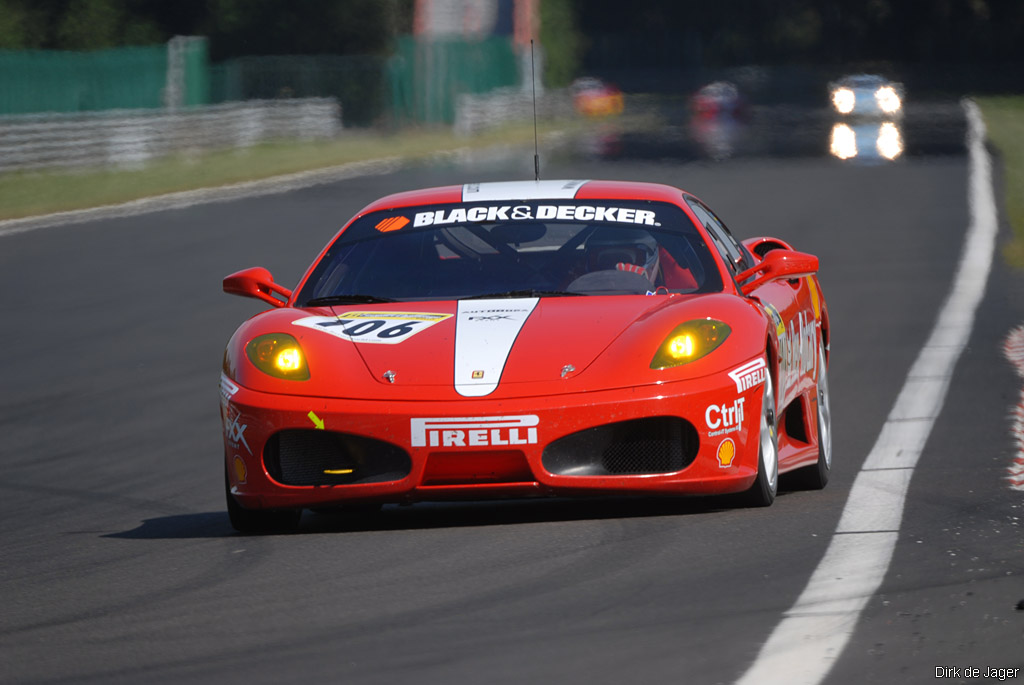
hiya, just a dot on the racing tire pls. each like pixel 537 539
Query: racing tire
pixel 766 485
pixel 259 521
pixel 815 476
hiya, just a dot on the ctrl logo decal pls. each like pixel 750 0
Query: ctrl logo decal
pixel 483 431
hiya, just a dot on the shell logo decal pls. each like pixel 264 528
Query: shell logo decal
pixel 241 473
pixel 726 453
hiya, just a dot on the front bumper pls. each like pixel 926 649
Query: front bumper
pixel 689 437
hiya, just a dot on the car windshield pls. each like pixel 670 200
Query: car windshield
pixel 523 249
pixel 863 81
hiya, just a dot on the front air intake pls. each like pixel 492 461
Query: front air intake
pixel 321 457
pixel 661 444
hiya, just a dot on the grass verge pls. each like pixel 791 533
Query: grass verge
pixel 25 194
pixel 1004 120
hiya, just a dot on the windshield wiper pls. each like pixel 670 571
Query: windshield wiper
pixel 346 299
pixel 521 293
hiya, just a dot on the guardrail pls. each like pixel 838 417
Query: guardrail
pixel 476 113
pixel 129 138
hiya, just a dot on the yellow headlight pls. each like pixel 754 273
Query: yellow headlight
pixel 288 360
pixel 278 355
pixel 681 346
pixel 689 341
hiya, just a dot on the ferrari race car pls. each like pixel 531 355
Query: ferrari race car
pixel 536 338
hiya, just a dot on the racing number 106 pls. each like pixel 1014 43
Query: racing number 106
pixel 385 328
pixel 365 327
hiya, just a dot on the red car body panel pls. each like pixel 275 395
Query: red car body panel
pixel 577 364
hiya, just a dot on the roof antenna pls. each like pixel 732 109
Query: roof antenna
pixel 536 147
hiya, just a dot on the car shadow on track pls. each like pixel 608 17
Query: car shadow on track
pixel 428 515
pixel 179 527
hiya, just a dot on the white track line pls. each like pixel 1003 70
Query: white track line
pixel 815 630
pixel 188 198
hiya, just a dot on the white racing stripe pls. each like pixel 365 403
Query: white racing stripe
pixel 520 190
pixel 812 635
pixel 485 331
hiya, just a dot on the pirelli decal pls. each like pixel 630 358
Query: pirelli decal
pixel 749 375
pixel 482 431
pixel 227 388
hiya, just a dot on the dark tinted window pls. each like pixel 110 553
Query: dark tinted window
pixel 474 250
pixel 732 251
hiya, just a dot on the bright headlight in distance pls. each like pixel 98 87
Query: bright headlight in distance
pixel 888 99
pixel 843 143
pixel 843 100
pixel 689 341
pixel 278 355
pixel 890 142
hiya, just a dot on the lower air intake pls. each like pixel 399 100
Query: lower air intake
pixel 661 444
pixel 319 457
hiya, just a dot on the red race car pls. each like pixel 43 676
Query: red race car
pixel 593 97
pixel 522 339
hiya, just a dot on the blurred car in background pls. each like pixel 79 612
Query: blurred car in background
pixel 866 95
pixel 718 99
pixel 592 97
pixel 718 117
pixel 870 108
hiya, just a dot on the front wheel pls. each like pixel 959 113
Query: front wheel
pixel 762 492
pixel 259 521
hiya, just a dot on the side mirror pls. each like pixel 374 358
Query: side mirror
pixel 763 245
pixel 257 282
pixel 776 265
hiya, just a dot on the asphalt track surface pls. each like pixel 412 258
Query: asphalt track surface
pixel 119 564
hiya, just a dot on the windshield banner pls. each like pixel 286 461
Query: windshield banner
pixel 596 213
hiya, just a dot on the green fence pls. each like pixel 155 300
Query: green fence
pixel 123 78
pixel 428 76
pixel 358 82
pixel 419 84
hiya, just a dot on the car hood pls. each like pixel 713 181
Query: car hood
pixel 486 343
pixel 496 348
